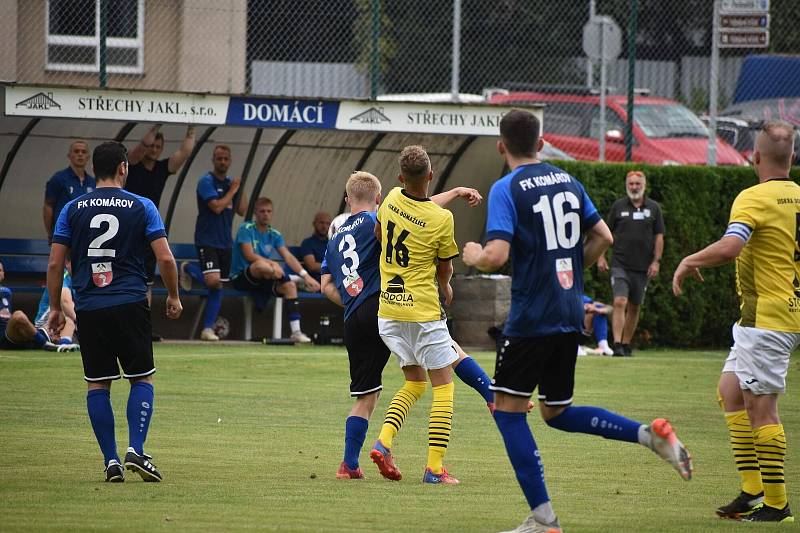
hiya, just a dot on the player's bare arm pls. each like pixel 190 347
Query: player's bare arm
pixel 444 271
pixel 721 252
pixel 658 251
pixel 487 258
pixel 311 263
pixel 598 240
pixel 55 280
pixel 218 205
pixel 138 151
pixel 291 261
pixel 471 196
pixel 169 274
pixel 328 288
pixel 378 230
pixel 48 216
pixel 177 159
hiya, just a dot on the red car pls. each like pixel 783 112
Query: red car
pixel 664 131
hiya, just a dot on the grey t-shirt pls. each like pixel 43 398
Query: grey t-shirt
pixel 634 231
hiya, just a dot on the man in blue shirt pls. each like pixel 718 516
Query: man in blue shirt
pixel 212 235
pixel 351 278
pixel 312 249
pixel 16 330
pixel 67 184
pixel 103 232
pixel 254 268
pixel 543 219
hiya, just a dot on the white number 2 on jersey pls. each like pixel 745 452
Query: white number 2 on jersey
pixel 95 249
pixel 349 253
pixel 560 229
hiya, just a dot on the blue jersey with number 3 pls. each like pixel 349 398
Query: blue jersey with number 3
pixel 107 231
pixel 352 259
pixel 543 213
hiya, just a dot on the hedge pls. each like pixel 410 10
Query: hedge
pixel 696 203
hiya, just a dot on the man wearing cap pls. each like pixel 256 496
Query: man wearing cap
pixel 638 228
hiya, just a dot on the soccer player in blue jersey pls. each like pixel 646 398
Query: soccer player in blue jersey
pixel 351 277
pixel 212 235
pixel 253 268
pixel 543 219
pixel 67 305
pixel 103 232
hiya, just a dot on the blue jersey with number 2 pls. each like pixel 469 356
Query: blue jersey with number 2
pixel 107 231
pixel 352 259
pixel 543 213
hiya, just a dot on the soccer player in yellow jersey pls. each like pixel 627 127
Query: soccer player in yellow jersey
pixel 417 246
pixel 762 237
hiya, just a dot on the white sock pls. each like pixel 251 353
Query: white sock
pixel 603 344
pixel 544 513
pixel 295 325
pixel 645 437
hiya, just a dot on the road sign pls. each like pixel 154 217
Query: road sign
pixel 744 21
pixel 611 42
pixel 743 6
pixel 743 39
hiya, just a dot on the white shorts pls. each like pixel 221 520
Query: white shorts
pixel 760 358
pixel 425 344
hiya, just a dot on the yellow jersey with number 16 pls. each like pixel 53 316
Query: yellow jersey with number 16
pixel 768 268
pixel 415 234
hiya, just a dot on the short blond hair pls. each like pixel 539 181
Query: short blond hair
pixel 362 186
pixel 263 200
pixel 775 142
pixel 415 165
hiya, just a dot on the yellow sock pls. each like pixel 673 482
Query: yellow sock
pixel 744 451
pixel 770 443
pixel 401 404
pixel 439 426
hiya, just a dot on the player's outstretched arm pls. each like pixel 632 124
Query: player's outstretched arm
pixel 597 241
pixel 137 152
pixel 489 258
pixel 471 196
pixel 169 275
pixel 328 288
pixel 719 253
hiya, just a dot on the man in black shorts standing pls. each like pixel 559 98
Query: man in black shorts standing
pixel 637 225
pixel 148 174
pixel 102 232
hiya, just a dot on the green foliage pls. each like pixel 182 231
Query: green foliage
pixel 696 202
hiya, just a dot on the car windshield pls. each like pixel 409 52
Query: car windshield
pixel 668 120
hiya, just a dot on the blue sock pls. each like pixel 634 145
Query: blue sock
pixel 596 421
pixel 471 373
pixel 355 431
pixel 524 455
pixel 213 304
pixel 140 411
pixel 65 340
pixel 194 270
pixel 40 339
pixel 600 325
pixel 98 403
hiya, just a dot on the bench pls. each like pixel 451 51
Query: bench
pixel 30 256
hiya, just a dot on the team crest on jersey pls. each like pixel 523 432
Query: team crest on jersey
pixel 102 274
pixel 564 272
pixel 353 284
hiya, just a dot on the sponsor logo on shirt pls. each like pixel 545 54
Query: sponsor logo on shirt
pixel 102 274
pixel 564 272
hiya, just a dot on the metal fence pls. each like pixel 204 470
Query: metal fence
pixel 367 48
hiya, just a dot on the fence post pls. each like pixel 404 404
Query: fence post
pixel 103 52
pixel 376 31
pixel 632 30
pixel 455 72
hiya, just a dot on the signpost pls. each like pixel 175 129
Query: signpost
pixel 737 24
pixel 602 40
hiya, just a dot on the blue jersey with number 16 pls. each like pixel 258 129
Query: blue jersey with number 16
pixel 543 212
pixel 352 259
pixel 107 231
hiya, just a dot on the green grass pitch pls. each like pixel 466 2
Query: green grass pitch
pixel 249 438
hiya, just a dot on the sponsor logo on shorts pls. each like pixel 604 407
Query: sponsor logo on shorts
pixel 564 272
